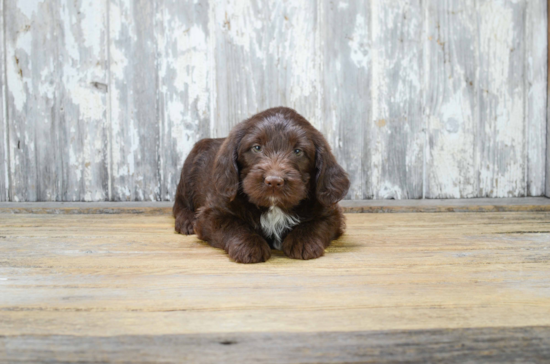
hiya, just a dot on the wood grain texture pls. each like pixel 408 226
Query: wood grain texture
pixel 536 68
pixel 480 345
pixel 348 66
pixel 502 139
pixel 134 114
pixel 129 280
pixel 132 275
pixel 182 37
pixel 265 54
pixel 450 104
pixel 82 95
pixel 396 142
pixel 548 108
pixel 431 99
pixel 4 158
pixel 33 109
pixel 56 84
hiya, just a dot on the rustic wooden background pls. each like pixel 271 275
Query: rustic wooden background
pixel 102 100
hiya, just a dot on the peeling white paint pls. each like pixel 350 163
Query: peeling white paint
pixel 537 97
pixel 70 43
pixel 93 19
pixel 30 8
pixel 304 79
pixel 91 103
pixel 235 20
pixel 422 124
pixel 504 103
pixel 4 193
pixel 212 80
pixel 191 67
pixel 396 132
pixel 390 191
pixel 360 43
pixel 16 82
pixel 185 90
pixel 343 4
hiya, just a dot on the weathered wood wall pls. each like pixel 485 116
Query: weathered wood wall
pixel 548 110
pixel 102 100
pixel 4 182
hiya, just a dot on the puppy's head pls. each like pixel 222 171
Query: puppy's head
pixel 277 157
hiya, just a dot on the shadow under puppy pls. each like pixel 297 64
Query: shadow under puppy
pixel 272 183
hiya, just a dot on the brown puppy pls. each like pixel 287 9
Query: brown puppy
pixel 272 183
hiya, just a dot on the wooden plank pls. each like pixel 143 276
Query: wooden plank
pixel 82 93
pixel 548 108
pixel 395 146
pixel 536 68
pixel 483 345
pixel 4 159
pixel 453 205
pixel 56 81
pixel 32 80
pixel 453 159
pixel 83 100
pixel 347 97
pixel 142 208
pixel 349 206
pixel 132 275
pixel 501 134
pixel 184 76
pixel 134 116
pixel 265 54
pixel 450 107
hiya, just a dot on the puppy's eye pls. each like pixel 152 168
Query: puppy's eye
pixel 297 151
pixel 257 148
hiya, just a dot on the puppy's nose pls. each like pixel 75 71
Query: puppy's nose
pixel 274 181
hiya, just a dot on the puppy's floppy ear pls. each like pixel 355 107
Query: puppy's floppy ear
pixel 226 170
pixel 332 181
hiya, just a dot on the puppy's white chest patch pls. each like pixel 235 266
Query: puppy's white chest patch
pixel 274 223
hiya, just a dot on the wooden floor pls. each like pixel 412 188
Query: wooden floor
pixel 415 287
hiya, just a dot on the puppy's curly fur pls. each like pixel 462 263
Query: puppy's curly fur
pixel 272 183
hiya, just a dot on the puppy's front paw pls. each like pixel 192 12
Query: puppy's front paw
pixel 298 246
pixel 184 223
pixel 248 249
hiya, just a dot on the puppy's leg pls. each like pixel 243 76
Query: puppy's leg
pixel 184 214
pixel 185 220
pixel 309 240
pixel 183 209
pixel 233 235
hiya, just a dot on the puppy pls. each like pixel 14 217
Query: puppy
pixel 272 183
